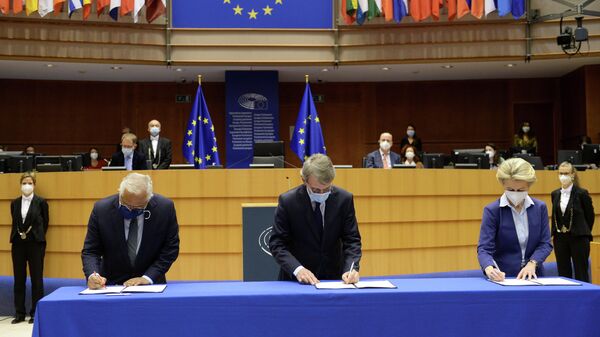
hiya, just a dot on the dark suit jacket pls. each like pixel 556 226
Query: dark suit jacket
pixel 295 241
pixel 416 143
pixel 583 212
pixel 162 159
pixel 105 248
pixel 37 218
pixel 138 163
pixel 374 159
pixel 498 239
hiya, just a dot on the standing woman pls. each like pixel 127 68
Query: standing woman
pixel 514 239
pixel 572 222
pixel 525 138
pixel 411 138
pixel 28 238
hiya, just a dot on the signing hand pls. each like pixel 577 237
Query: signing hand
pixel 95 281
pixel 494 274
pixel 528 272
pixel 136 281
pixel 350 277
pixel 305 276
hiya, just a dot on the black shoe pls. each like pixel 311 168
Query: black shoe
pixel 31 320
pixel 17 320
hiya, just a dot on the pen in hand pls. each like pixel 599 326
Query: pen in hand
pixel 496 274
pixel 350 273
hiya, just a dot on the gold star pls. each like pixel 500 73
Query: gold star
pixel 196 159
pixel 267 10
pixel 237 10
pixel 214 148
pixel 205 121
pixel 301 141
pixel 301 131
pixel 212 128
pixel 226 1
pixel 279 2
pixel 194 122
pixel 207 157
pixel 199 118
pixel 189 143
pixel 305 121
pixel 317 120
pixel 215 139
pixel 309 117
pixel 252 14
pixel 190 132
pixel 193 152
pixel 305 157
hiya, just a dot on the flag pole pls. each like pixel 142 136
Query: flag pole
pixel 306 78
pixel 199 79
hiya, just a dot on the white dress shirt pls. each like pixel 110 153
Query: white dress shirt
pixel 25 203
pixel 521 222
pixel 565 195
pixel 386 158
pixel 154 141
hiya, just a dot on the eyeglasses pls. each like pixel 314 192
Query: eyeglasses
pixel 319 190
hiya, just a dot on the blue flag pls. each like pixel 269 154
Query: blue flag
pixel 308 136
pixel 199 141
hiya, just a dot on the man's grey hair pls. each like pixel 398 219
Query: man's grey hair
pixel 319 166
pixel 137 184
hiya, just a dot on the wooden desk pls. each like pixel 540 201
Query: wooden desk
pixel 411 221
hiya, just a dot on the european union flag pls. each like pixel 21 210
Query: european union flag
pixel 308 136
pixel 199 141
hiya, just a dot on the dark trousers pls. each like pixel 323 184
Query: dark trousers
pixel 31 252
pixel 569 248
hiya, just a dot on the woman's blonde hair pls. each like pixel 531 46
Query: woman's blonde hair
pixel 517 169
pixel 573 171
pixel 26 175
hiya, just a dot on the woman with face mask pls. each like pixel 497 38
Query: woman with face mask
pixel 96 162
pixel 493 155
pixel 572 221
pixel 28 238
pixel 410 157
pixel 524 141
pixel 514 239
pixel 412 139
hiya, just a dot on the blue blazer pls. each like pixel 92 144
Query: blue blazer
pixel 105 247
pixel 374 159
pixel 498 238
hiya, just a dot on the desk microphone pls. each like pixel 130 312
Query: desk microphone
pixel 283 160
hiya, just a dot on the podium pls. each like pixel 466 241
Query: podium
pixel 257 225
pixel 595 266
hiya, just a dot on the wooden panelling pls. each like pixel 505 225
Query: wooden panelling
pixel 595 265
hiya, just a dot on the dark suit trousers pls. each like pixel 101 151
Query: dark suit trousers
pixel 33 253
pixel 576 248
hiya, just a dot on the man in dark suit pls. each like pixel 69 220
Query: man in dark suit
pixel 315 235
pixel 128 156
pixel 157 149
pixel 132 237
pixel 383 157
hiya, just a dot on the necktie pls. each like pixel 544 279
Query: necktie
pixel 318 216
pixel 132 240
pixel 385 162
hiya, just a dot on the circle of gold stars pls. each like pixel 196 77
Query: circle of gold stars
pixel 253 14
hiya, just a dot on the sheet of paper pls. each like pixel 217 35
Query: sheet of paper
pixel 334 285
pixel 375 284
pixel 107 290
pixel 154 288
pixel 515 282
pixel 555 281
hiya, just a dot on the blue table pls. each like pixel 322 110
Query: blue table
pixel 419 307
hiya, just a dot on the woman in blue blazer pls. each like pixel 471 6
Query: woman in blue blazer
pixel 514 239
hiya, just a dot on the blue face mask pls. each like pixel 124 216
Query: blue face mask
pixel 318 197
pixel 130 213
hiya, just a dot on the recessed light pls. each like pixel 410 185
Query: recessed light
pixel 116 68
pixel 510 65
pixel 385 68
pixel 324 70
pixel 415 72
pixel 82 71
pixel 179 70
pixel 448 66
pixel 49 65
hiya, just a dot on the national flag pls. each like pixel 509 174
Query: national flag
pixel 17 6
pixel 100 5
pixel 4 5
pixel 489 7
pixel 436 6
pixel 504 7
pixel 58 6
pixel 400 9
pixel 73 6
pixel 31 6
pixel 518 8
pixel 45 7
pixel 462 8
pixel 114 9
pixel 126 7
pixel 374 9
pixel 361 11
pixel 87 8
pixel 452 10
pixel 308 135
pixel 154 9
pixel 137 7
pixel 477 7
pixel 388 9
pixel 420 9
pixel 199 142
pixel 347 11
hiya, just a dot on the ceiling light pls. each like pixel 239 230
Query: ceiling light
pixel 49 65
pixel 116 68
pixel 179 70
pixel 448 66
pixel 385 68
pixel 510 65
pixel 324 70
pixel 82 71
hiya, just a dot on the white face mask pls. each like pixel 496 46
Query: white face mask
pixel 94 155
pixel 27 189
pixel 127 152
pixel 526 129
pixel 385 145
pixel 565 179
pixel 154 131
pixel 318 197
pixel 490 154
pixel 410 133
pixel 516 198
pixel 410 155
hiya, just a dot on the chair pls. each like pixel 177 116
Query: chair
pixel 270 152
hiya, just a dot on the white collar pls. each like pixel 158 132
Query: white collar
pixel 154 138
pixel 29 198
pixel 381 152
pixel 504 202
pixel 567 190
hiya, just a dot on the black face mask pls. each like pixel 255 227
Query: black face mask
pixel 130 213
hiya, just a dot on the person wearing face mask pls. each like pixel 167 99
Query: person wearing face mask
pixel 514 239
pixel 411 139
pixel 28 238
pixel 493 155
pixel 572 222
pixel 129 156
pixel 156 148
pixel 384 157
pixel 96 163
pixel 132 237
pixel 315 233
pixel 410 157
pixel 524 141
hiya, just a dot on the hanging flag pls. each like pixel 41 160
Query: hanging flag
pixel 199 141
pixel 518 8
pixel 100 5
pixel 400 9
pixel 361 11
pixel 114 9
pixel 87 8
pixel 17 6
pixel 348 11
pixel 154 9
pixel 504 7
pixel 31 6
pixel 420 9
pixel 4 6
pixel 462 8
pixel 73 6
pixel 308 135
pixel 126 7
pixel 374 9
pixel 451 4
pixel 58 6
pixel 436 6
pixel 477 8
pixel 137 7
pixel 45 7
pixel 489 7
pixel 388 9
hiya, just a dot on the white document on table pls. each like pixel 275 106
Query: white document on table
pixel 515 282
pixel 555 281
pixel 375 284
pixel 105 290
pixel 154 288
pixel 357 285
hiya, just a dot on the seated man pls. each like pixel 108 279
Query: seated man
pixel 383 157
pixel 315 234
pixel 157 149
pixel 128 156
pixel 132 237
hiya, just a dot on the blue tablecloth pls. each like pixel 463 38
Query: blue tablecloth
pixel 418 307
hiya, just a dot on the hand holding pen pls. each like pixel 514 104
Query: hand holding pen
pixel 494 273
pixel 351 276
pixel 95 281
